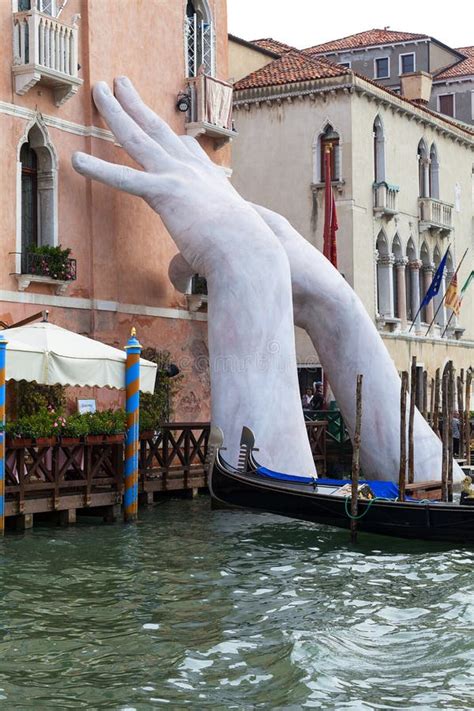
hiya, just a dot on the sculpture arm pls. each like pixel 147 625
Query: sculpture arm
pixel 250 319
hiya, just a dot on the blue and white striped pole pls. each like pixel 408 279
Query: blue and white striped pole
pixel 3 355
pixel 132 385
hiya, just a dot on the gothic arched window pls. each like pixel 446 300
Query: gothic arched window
pixel 379 151
pixel 200 54
pixel 29 197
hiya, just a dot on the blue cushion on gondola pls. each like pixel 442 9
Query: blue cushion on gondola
pixel 381 489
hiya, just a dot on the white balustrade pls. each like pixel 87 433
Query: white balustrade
pixel 436 215
pixel 385 198
pixel 45 49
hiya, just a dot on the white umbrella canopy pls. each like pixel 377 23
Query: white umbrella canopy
pixel 51 355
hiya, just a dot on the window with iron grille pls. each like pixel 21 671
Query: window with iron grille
pixel 199 39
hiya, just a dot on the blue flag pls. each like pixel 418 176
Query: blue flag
pixel 436 283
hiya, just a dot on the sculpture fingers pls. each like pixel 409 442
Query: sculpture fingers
pixel 180 273
pixel 116 176
pixel 131 137
pixel 154 126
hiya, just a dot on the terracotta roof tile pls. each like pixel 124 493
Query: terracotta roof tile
pixel 292 67
pixel 462 69
pixel 368 38
pixel 273 45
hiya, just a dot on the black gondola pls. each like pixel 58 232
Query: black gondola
pixel 247 487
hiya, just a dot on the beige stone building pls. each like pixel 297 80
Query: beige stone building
pixel 402 181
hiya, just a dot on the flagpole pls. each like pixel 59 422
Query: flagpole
pixel 446 291
pixel 453 313
pixel 423 300
pixel 447 325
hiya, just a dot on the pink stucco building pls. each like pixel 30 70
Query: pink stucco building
pixel 51 54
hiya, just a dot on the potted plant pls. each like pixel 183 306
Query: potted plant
pixel 38 429
pixel 74 430
pixel 53 262
pixel 114 425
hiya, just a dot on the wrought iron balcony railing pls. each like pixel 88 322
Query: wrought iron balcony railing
pixel 45 265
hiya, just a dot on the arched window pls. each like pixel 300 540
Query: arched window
pixel 199 39
pixel 29 198
pixel 411 284
pixel 37 162
pixel 384 277
pixel 426 280
pixel 379 151
pixel 398 256
pixel 423 169
pixel 329 140
pixel 434 172
pixel 48 7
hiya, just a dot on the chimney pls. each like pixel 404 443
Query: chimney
pixel 416 86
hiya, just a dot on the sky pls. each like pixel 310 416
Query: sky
pixel 303 23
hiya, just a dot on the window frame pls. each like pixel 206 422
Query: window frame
pixel 347 65
pixel 400 62
pixel 378 59
pixel 438 99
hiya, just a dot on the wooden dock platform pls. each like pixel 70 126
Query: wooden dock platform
pixel 61 479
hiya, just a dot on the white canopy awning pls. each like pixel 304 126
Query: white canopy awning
pixel 50 355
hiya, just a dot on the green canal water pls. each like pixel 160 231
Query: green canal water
pixel 193 608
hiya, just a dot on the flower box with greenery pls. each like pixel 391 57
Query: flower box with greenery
pixel 52 262
pixel 108 425
pixel 40 429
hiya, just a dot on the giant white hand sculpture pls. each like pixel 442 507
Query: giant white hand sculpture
pixel 347 343
pixel 250 320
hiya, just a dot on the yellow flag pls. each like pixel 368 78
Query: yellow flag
pixel 452 299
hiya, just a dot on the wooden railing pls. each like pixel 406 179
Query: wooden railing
pixel 58 469
pixel 336 429
pixel 175 449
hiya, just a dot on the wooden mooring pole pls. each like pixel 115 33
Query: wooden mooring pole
pixel 411 421
pixel 467 406
pixel 402 477
pixel 461 413
pixel 3 390
pixel 356 460
pixel 451 393
pixel 445 450
pixel 435 423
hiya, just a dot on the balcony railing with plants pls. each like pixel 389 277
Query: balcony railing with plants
pixel 45 50
pixel 211 108
pixel 49 265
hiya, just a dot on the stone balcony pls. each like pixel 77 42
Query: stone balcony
pixel 436 216
pixel 385 199
pixel 210 112
pixel 45 52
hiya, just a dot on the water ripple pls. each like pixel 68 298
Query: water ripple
pixel 232 610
